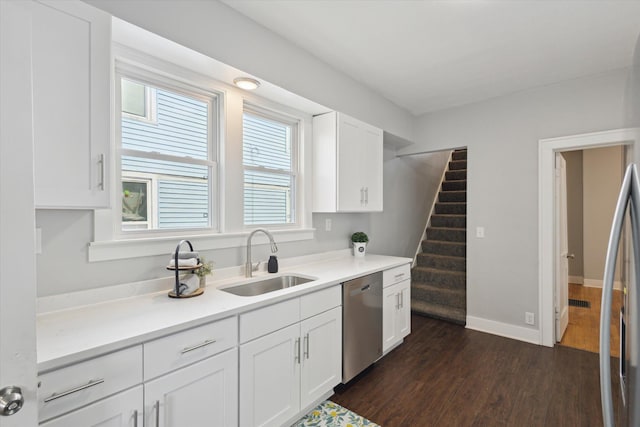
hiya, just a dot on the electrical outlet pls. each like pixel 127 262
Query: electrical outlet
pixel 327 224
pixel 480 232
pixel 529 318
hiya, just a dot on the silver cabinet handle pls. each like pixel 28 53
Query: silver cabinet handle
pixel 135 418
pixel 306 346
pixel 397 276
pixel 571 256
pixel 157 408
pixel 362 195
pixel 101 182
pixel 55 396
pixel 401 299
pixel 366 195
pixel 197 346
pixel 296 353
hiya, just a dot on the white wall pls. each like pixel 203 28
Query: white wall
pixel 602 176
pixel 575 227
pixel 410 184
pixel 216 30
pixel 502 137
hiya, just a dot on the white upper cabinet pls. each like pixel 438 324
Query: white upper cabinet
pixel 347 165
pixel 71 94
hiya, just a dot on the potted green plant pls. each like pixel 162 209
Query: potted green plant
pixel 204 271
pixel 359 240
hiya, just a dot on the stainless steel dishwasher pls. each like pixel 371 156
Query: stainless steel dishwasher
pixel 361 324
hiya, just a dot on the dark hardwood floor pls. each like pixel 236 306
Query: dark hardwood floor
pixel 446 375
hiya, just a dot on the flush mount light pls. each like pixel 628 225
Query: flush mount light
pixel 246 83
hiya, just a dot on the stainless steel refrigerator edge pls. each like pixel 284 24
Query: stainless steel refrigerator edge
pixel 361 324
pixel 629 409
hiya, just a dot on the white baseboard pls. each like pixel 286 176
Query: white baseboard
pixel 578 280
pixel 504 329
pixel 596 283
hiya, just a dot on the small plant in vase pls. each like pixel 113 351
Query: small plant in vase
pixel 204 271
pixel 359 240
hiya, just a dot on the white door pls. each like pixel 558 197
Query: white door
pixel 201 395
pixel 562 251
pixel 17 214
pixel 121 410
pixel 390 304
pixel 404 313
pixel 372 171
pixel 270 378
pixel 321 355
pixel 350 187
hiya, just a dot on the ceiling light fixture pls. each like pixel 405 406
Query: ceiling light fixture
pixel 246 83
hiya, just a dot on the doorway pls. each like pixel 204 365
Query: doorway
pixel 587 186
pixel 547 150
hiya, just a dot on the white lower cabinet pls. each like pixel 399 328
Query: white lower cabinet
pixel 396 313
pixel 202 394
pixel 283 372
pixel 121 410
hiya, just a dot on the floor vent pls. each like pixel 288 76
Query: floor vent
pixel 579 303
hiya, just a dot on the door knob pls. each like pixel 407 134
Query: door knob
pixel 11 400
pixel 571 256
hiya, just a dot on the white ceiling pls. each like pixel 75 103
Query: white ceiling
pixel 431 55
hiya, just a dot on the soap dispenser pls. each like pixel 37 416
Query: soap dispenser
pixel 272 266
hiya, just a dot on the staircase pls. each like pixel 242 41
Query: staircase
pixel 439 278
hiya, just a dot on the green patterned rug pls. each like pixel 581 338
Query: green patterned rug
pixel 329 414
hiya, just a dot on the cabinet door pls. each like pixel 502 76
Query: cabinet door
pixel 71 101
pixel 404 312
pixel 372 167
pixel 321 355
pixel 350 189
pixel 390 303
pixel 270 378
pixel 121 410
pixel 201 395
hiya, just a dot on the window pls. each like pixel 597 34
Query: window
pixel 166 153
pixel 269 148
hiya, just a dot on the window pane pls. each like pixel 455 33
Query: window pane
pixel 267 198
pixel 266 143
pixel 175 193
pixel 133 98
pixel 180 191
pixel 134 201
pixel 180 128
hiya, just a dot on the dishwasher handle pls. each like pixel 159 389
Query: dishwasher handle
pixel 359 289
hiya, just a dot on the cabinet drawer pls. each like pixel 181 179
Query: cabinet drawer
pixel 321 301
pixel 183 348
pixel 68 388
pixel 395 275
pixel 265 320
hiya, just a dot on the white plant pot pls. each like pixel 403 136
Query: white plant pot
pixel 359 249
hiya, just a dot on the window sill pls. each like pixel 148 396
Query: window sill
pixel 136 248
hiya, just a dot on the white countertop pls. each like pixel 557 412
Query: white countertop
pixel 77 333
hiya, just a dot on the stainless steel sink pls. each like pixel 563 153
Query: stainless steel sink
pixel 266 285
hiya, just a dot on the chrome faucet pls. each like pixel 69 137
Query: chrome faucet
pixel 248 268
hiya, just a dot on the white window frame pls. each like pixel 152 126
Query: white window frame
pixel 296 137
pixel 176 85
pixel 110 244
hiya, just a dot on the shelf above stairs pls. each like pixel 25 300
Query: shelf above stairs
pixel 439 278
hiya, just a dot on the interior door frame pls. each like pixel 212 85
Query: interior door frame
pixel 547 149
pixel 18 361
